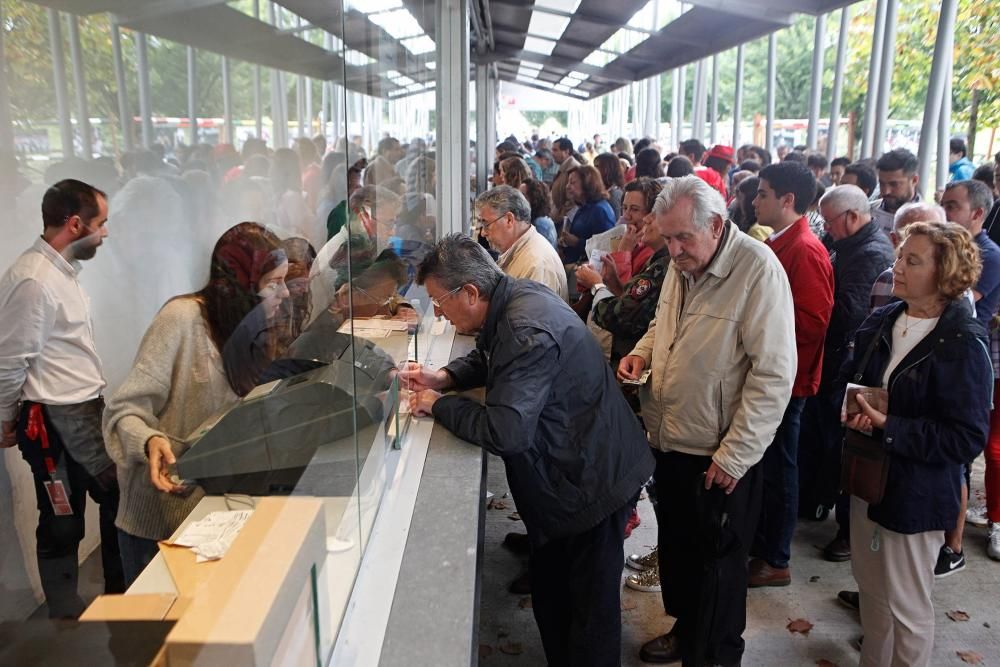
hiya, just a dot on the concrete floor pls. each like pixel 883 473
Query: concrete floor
pixel 508 635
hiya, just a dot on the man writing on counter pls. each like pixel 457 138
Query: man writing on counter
pixel 574 452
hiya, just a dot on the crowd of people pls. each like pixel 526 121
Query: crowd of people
pixel 736 298
pixel 751 340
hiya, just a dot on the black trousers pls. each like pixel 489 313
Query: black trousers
pixel 704 538
pixel 576 594
pixel 58 537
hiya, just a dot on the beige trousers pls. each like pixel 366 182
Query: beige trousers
pixel 895 574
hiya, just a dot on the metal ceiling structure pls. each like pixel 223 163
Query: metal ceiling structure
pixel 606 45
pixel 578 48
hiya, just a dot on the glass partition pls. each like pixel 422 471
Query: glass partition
pixel 268 171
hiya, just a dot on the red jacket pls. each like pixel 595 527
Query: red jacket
pixel 810 275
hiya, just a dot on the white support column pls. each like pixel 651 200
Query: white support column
pixel 309 107
pixel 944 122
pixel 8 184
pixel 816 85
pixel 713 121
pixel 80 87
pixel 885 77
pixel 772 78
pixel 145 108
pixel 838 84
pixel 943 45
pixel 258 110
pixel 192 93
pixel 452 97
pixel 124 115
pixel 874 70
pixel 681 104
pixel 675 111
pixel 59 79
pixel 227 103
pixel 486 133
pixel 738 96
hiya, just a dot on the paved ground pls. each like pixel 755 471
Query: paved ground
pixel 508 635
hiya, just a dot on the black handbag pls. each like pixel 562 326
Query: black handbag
pixel 864 462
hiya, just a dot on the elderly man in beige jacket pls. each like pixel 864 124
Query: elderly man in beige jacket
pixel 723 359
pixel 504 217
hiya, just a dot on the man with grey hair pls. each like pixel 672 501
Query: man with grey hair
pixel 859 253
pixel 914 211
pixel 574 452
pixel 503 215
pixel 722 357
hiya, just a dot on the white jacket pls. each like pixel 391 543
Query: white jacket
pixel 723 357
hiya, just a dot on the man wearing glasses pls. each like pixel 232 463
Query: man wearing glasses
pixel 503 215
pixel 574 452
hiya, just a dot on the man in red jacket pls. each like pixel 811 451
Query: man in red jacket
pixel 785 192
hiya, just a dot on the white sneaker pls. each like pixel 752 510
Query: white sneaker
pixel 993 542
pixel 976 515
pixel 643 563
pixel 645 582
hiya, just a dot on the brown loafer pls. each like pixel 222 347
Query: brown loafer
pixel 662 650
pixel 762 574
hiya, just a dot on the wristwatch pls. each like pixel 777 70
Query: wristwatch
pixel 596 288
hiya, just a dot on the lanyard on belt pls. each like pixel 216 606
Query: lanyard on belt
pixel 36 431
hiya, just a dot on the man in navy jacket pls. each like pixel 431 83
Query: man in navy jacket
pixel 575 453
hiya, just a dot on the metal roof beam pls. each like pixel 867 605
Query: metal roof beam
pixel 162 8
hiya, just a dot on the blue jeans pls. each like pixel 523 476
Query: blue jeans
pixel 780 507
pixel 136 552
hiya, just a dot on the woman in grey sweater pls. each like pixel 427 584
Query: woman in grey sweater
pixel 178 380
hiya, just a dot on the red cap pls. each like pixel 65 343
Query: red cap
pixel 723 152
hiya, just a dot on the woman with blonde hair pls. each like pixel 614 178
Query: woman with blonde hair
pixel 929 354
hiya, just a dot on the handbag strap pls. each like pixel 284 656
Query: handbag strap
pixel 868 353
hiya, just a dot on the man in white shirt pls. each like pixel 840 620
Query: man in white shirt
pixel 504 217
pixel 50 390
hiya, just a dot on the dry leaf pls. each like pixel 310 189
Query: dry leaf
pixel 485 651
pixel 511 648
pixel 799 625
pixel 514 517
pixel 957 615
pixel 524 603
pixel 813 579
pixel 498 505
pixel 970 657
pixel 823 662
pixel 503 633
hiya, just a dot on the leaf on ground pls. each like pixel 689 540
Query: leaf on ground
pixel 823 662
pixel 503 633
pixel 957 615
pixel 514 516
pixel 485 651
pixel 524 603
pixel 498 505
pixel 511 648
pixel 800 625
pixel 970 657
pixel 813 579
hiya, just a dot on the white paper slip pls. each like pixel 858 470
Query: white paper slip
pixel 438 327
pixel 211 537
pixel 372 327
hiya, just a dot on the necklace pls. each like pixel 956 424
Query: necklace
pixel 918 321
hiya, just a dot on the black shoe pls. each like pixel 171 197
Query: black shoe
pixel 850 599
pixel 838 550
pixel 948 562
pixel 517 542
pixel 521 585
pixel 661 650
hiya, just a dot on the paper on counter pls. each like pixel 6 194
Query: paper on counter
pixel 211 537
pixel 372 328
